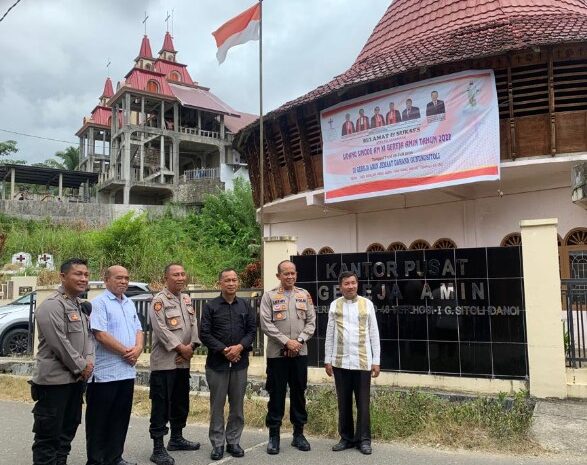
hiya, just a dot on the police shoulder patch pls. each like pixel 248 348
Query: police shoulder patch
pixel 157 305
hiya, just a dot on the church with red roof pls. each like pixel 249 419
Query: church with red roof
pixel 160 135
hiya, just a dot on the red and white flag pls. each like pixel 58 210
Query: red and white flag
pixel 238 30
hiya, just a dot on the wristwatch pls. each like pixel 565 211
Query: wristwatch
pixel 300 340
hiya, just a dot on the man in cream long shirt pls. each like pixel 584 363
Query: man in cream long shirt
pixel 352 354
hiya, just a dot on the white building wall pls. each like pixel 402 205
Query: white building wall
pixel 470 223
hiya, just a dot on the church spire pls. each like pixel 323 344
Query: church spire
pixel 145 59
pixel 107 92
pixel 145 51
pixel 168 51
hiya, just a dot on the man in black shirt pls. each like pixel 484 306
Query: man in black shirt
pixel 228 330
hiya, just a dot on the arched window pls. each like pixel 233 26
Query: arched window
pixel 325 250
pixel 376 247
pixel 573 254
pixel 444 243
pixel 419 244
pixel 153 86
pixel 577 236
pixel 396 246
pixel 175 76
pixel 511 240
pixel 147 65
pixel 308 251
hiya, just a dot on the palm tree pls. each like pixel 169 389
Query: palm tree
pixel 69 157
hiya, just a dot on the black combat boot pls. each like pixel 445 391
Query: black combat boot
pixel 178 442
pixel 160 455
pixel 299 440
pixel 273 444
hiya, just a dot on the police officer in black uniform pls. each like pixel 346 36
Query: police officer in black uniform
pixel 65 360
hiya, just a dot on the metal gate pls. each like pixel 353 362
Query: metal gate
pixel 574 301
pixel 142 306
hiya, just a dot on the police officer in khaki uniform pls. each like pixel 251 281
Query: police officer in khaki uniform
pixel 175 336
pixel 288 320
pixel 64 361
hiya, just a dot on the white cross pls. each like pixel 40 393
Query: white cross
pixel 145 22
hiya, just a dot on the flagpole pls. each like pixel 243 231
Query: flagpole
pixel 261 141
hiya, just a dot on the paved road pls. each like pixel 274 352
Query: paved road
pixel 16 421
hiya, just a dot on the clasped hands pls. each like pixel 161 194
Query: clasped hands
pixel 184 353
pixel 233 353
pixel 132 354
pixel 293 348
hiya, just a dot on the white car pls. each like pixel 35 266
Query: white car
pixel 14 318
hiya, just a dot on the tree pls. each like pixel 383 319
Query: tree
pixel 69 157
pixel 7 148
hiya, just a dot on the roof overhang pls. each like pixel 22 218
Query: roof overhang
pixel 47 176
pixel 124 89
pixel 198 98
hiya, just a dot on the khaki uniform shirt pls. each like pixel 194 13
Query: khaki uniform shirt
pixel 174 322
pixel 287 316
pixel 66 344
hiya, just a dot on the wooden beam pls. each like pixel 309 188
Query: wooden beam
pixel 253 162
pixel 305 149
pixel 551 108
pixel 268 193
pixel 513 151
pixel 273 164
pixel 283 128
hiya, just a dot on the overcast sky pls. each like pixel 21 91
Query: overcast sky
pixel 54 55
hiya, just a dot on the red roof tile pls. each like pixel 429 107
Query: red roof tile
pixel 168 44
pixel 101 115
pixel 419 33
pixel 166 67
pixel 235 124
pixel 138 79
pixel 198 97
pixel 145 51
pixel 108 90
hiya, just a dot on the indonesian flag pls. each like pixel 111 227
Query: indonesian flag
pixel 238 30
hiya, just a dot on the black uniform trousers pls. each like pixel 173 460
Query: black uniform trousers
pixel 281 372
pixel 357 383
pixel 170 400
pixel 57 414
pixel 107 417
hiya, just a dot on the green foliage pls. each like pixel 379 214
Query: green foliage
pixel 481 422
pixel 219 237
pixel 69 159
pixel 7 147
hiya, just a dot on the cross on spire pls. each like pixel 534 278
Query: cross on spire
pixel 145 22
pixel 108 66
pixel 167 20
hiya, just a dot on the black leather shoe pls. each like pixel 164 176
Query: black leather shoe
pixel 235 450
pixel 301 443
pixel 180 443
pixel 342 445
pixel 217 453
pixel 273 445
pixel 365 448
pixel 123 462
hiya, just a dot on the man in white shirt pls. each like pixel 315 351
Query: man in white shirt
pixel 352 355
